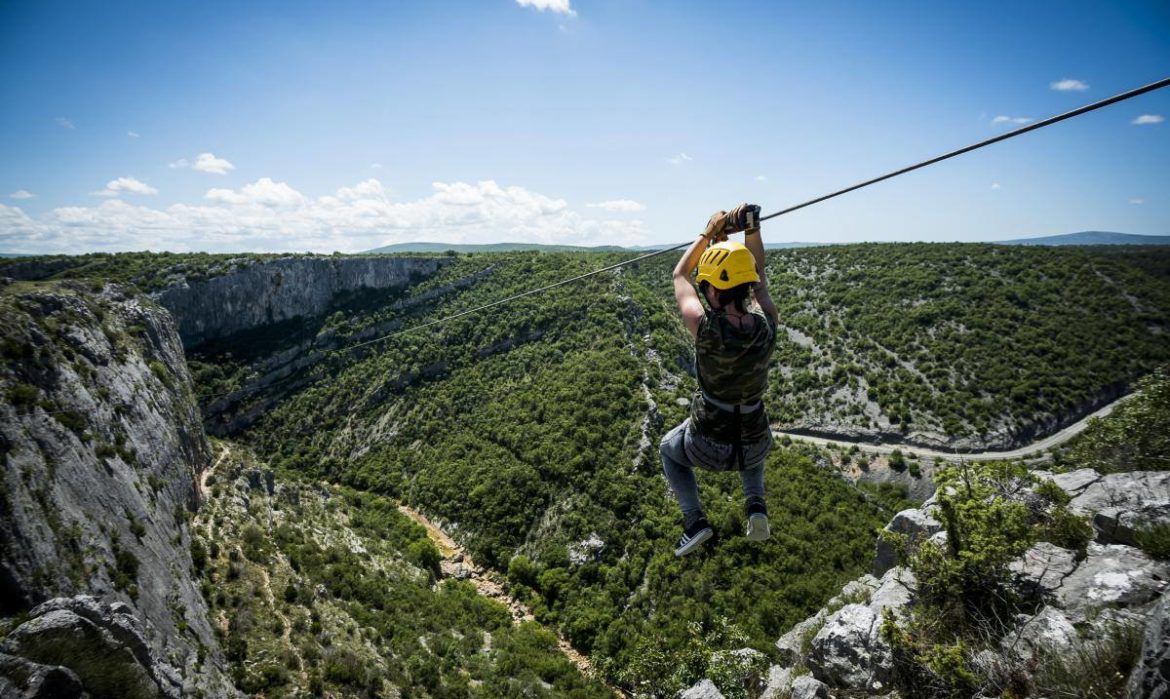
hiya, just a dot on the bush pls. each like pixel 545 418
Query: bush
pixel 1154 539
pixel 23 395
pixel 198 554
pixel 986 530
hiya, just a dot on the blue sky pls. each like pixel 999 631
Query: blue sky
pixel 343 126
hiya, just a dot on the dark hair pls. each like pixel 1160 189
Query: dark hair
pixel 735 295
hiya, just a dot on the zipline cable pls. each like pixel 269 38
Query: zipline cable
pixel 976 146
pixel 1121 97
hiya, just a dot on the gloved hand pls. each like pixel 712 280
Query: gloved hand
pixel 716 228
pixel 745 217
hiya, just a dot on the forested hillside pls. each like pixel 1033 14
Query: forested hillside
pixel 531 430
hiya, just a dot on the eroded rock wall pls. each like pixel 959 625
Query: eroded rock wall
pixel 102 442
pixel 283 289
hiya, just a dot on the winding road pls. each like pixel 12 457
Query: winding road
pixel 1052 440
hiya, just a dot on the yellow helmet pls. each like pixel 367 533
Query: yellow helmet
pixel 727 264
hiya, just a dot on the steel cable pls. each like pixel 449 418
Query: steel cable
pixel 910 168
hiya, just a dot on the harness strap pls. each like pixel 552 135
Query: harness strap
pixel 732 407
pixel 737 445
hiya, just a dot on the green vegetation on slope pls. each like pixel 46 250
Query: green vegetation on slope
pixel 532 429
pixel 319 590
pixel 1134 437
pixel 963 340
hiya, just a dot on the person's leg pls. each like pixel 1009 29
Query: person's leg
pixel 680 475
pixel 754 504
pixel 752 480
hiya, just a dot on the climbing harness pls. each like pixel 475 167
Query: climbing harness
pixel 1121 97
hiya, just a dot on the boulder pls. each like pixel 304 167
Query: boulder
pixel 101 645
pixel 791 646
pixel 1150 678
pixel 779 684
pixel 1111 576
pixel 915 525
pixel 1073 482
pixel 23 679
pixel 1123 503
pixel 895 591
pixel 1048 631
pixel 704 689
pixel 805 687
pixel 1044 567
pixel 848 651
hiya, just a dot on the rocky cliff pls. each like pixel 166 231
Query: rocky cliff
pixel 266 292
pixel 102 444
pixel 1092 608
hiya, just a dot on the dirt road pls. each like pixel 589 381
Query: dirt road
pixel 1052 440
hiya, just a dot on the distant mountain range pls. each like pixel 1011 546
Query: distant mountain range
pixel 1092 238
pixel 1081 238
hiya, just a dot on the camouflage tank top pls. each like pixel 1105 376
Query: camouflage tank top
pixel 733 368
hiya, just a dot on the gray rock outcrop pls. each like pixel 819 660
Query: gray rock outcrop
pixel 1113 575
pixel 913 524
pixel 100 645
pixel 848 651
pixel 1151 677
pixel 102 444
pixel 806 687
pixel 272 291
pixel 703 689
pixel 1044 567
pixel 1121 504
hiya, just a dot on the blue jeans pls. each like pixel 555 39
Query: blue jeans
pixel 681 476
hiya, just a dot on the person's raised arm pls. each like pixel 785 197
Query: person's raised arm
pixel 684 291
pixel 753 240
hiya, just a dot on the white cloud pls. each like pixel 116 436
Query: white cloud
pixel 64 123
pixel 556 6
pixel 1002 119
pixel 207 162
pixel 679 159
pixel 125 185
pixel 22 194
pixel 375 166
pixel 262 192
pixel 1069 85
pixel 132 134
pixel 204 162
pixel 1137 200
pixel 618 205
pixel 268 216
pixel 995 185
pixel 761 178
pixel 1149 119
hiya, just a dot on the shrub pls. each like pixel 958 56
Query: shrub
pixel 198 554
pixel 23 395
pixel 1154 539
pixel 986 529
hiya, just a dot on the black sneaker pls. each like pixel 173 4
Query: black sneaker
pixel 694 536
pixel 757 514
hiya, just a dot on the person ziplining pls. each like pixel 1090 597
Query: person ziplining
pixel 734 336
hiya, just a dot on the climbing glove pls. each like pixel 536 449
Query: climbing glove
pixel 716 228
pixel 745 217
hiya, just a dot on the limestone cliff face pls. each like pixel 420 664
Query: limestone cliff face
pixel 102 443
pixel 282 289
